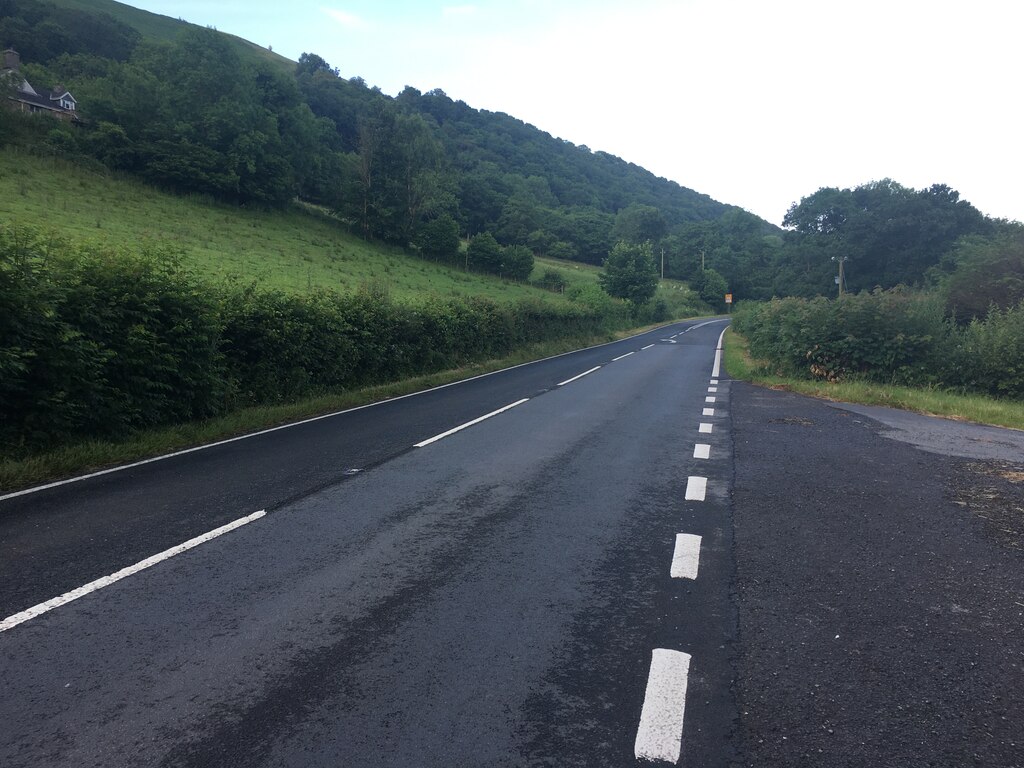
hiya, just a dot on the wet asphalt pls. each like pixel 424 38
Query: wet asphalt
pixel 493 599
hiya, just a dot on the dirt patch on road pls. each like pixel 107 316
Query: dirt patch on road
pixel 994 492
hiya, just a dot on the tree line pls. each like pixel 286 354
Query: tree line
pixel 424 171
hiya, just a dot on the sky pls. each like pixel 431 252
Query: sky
pixel 756 103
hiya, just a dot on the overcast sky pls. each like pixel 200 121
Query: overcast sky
pixel 755 102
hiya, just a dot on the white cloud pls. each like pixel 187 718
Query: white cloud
pixel 346 19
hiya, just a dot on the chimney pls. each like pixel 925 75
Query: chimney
pixel 12 60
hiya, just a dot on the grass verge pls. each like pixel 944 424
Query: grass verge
pixel 91 456
pixel 932 402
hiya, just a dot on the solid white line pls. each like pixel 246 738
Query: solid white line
pixel 705 428
pixel 696 488
pixel 660 735
pixel 712 389
pixel 477 420
pixel 647 347
pixel 578 376
pixel 106 581
pixel 702 451
pixel 686 556
pixel 614 359
pixel 718 356
pixel 708 412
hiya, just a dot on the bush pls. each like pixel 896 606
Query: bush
pixel 885 335
pixel 96 343
pixel 891 337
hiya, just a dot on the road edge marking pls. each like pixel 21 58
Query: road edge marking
pixel 718 356
pixel 696 488
pixel 660 733
pixel 685 556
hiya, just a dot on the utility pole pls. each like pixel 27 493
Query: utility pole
pixel 663 263
pixel 701 259
pixel 841 279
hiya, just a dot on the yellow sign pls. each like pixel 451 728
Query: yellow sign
pixel 728 298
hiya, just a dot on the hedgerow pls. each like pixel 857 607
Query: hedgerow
pixel 98 342
pixel 895 336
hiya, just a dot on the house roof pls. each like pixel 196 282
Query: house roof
pixel 26 94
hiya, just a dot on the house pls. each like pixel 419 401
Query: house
pixel 58 102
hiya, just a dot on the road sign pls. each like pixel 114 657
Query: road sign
pixel 728 298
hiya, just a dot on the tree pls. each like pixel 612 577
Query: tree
pixel 639 223
pixel 439 238
pixel 630 273
pixel 484 253
pixel 712 288
pixel 516 262
pixel 988 273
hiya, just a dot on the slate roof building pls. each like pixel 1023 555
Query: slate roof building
pixel 57 102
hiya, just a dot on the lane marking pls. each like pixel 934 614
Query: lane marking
pixel 702 451
pixel 714 381
pixel 106 581
pixel 647 347
pixel 620 357
pixel 708 412
pixel 578 376
pixel 705 428
pixel 718 356
pixel 696 488
pixel 477 420
pixel 709 399
pixel 712 389
pixel 660 734
pixel 258 433
pixel 686 557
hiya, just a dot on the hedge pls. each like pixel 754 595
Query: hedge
pixel 98 342
pixel 895 336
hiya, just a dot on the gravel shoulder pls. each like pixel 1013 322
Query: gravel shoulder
pixel 880 586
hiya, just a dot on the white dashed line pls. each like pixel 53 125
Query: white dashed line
pixel 696 488
pixel 708 412
pixel 660 735
pixel 647 347
pixel 714 381
pixel 461 427
pixel 705 428
pixel 578 376
pixel 702 451
pixel 614 359
pixel 712 389
pixel 106 581
pixel 686 557
pixel 709 399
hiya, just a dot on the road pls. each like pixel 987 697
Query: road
pixel 494 597
pixel 630 561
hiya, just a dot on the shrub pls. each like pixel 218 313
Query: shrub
pixel 96 343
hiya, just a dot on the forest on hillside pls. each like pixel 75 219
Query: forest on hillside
pixel 421 170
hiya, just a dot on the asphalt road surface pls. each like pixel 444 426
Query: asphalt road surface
pixel 631 561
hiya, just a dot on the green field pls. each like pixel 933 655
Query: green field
pixel 294 250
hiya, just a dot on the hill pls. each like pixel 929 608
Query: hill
pixel 194 110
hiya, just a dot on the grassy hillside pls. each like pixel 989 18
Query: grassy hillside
pixel 157 27
pixel 293 250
